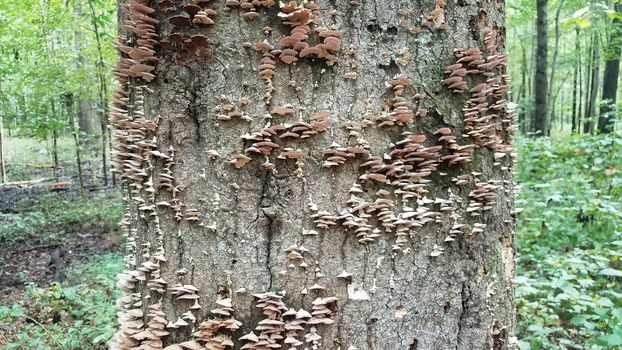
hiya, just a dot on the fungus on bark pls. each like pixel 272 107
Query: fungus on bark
pixel 399 107
pixel 436 18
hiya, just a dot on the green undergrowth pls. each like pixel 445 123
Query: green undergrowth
pixel 569 243
pixel 51 218
pixel 78 314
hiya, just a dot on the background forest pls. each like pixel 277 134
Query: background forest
pixel 60 204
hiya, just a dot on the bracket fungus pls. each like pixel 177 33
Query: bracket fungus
pixel 400 111
pixel 138 61
pixel 436 18
pixel 211 331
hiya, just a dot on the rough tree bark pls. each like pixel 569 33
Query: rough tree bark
pixel 358 204
pixel 607 117
pixel 540 88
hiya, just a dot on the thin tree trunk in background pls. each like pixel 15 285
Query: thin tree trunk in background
pixel 75 131
pixel 2 167
pixel 553 67
pixel 522 101
pixel 580 92
pixel 588 79
pixel 76 140
pixel 590 115
pixel 54 142
pixel 540 89
pixel 103 93
pixel 607 116
pixel 555 115
pixel 530 93
pixel 228 247
pixel 575 82
pixel 112 173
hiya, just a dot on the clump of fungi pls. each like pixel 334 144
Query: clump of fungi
pixel 196 46
pixel 400 111
pixel 271 328
pixel 436 18
pixel 210 331
pixel 485 113
pixel 228 111
pixel 250 6
pixel 404 170
pixel 295 45
pixel 267 67
pixel 265 141
pixel 288 327
pixel 337 155
pixel 151 338
pixel 138 61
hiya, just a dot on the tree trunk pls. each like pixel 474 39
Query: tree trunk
pixel 553 67
pixel 54 142
pixel 102 109
pixel 607 116
pixel 576 97
pixel 540 89
pixel 2 167
pixel 590 107
pixel 87 118
pixel 75 132
pixel 522 95
pixel 580 92
pixel 320 185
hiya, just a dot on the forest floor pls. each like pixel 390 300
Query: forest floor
pixel 44 231
pixel 46 225
pixel 58 263
pixel 569 254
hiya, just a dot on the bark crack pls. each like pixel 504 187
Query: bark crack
pixel 465 297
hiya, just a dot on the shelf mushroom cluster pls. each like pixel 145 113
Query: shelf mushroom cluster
pixel 250 6
pixel 436 18
pixel 486 117
pixel 270 329
pixel 265 141
pixel 295 46
pixel 210 331
pixel 405 170
pixel 187 47
pixel 151 338
pixel 287 327
pixel 228 111
pixel 138 61
pixel 400 112
pixel 196 13
pixel 337 155
pixel 483 198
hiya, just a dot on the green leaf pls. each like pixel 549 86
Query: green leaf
pixel 610 272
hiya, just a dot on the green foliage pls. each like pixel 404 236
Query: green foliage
pixel 77 315
pixel 48 52
pixel 30 158
pixel 569 243
pixel 47 220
